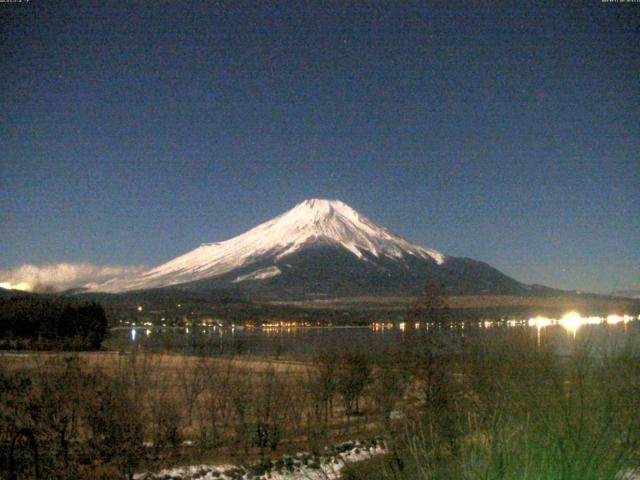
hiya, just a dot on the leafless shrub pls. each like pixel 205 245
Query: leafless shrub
pixel 353 374
pixel 191 382
pixel 62 392
pixel 216 404
pixel 269 411
pixel 16 412
pixel 166 423
pixel 241 393
pixel 319 385
pixel 390 379
pixel 114 426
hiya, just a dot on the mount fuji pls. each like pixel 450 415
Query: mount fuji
pixel 318 248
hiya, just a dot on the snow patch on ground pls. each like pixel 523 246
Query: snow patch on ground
pixel 437 256
pixel 302 466
pixel 261 274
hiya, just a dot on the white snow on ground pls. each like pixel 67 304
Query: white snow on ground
pixel 312 222
pixel 259 274
pixel 302 466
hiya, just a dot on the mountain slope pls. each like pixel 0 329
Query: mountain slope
pixel 626 293
pixel 321 247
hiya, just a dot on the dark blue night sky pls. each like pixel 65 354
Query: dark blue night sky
pixel 134 131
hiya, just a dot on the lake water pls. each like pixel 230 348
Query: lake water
pixel 563 335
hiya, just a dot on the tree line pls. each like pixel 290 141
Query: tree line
pixel 48 323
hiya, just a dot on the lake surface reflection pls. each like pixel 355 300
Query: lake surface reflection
pixel 604 335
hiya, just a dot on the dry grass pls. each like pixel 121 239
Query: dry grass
pixel 483 405
pixel 230 409
pixel 160 362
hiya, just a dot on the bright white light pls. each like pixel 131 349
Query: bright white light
pixel 613 319
pixel 133 334
pixel 540 322
pixel 591 320
pixel 16 286
pixel 571 322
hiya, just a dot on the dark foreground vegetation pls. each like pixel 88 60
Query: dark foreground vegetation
pixel 43 323
pixel 511 410
pixel 459 405
pixel 453 402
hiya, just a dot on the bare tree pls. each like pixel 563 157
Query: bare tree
pixel 60 401
pixel 166 423
pixel 114 426
pixel 241 390
pixel 353 375
pixel 191 382
pixel 269 405
pixel 217 399
pixel 431 306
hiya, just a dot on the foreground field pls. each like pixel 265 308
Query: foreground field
pixel 106 415
pixel 457 404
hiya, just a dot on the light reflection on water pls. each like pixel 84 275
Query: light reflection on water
pixel 571 321
pixel 606 332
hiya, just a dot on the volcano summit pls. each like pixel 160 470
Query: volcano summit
pixel 318 248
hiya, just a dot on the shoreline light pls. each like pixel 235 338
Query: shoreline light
pixel 571 321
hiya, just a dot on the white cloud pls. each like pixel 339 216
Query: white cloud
pixel 61 276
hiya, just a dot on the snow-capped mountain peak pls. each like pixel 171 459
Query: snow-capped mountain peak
pixel 310 223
